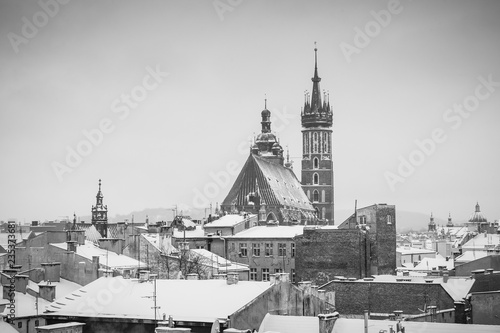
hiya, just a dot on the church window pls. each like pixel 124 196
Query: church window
pixel 316 163
pixel 315 179
pixel 315 196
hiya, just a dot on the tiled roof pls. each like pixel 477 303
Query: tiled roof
pixel 276 185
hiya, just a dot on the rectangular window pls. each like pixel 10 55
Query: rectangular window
pixel 281 249
pixel 265 274
pixel 293 250
pixel 269 249
pixel 389 219
pixel 243 250
pixel 278 270
pixel 293 275
pixel 233 247
pixel 253 274
pixel 256 249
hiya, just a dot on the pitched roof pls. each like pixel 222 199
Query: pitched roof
pixel 130 299
pixel 108 259
pixel 275 184
pixel 289 324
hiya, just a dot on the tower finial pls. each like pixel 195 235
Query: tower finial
pixel 99 184
pixel 315 56
pixel 265 101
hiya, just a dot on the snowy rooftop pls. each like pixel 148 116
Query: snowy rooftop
pixel 229 220
pixel 196 233
pixel 456 287
pixel 161 243
pixel 412 250
pixel 106 258
pixel 428 264
pixel 129 298
pixel 25 303
pixel 470 256
pixel 481 241
pixel 344 325
pixel 219 262
pixel 289 324
pixel 270 232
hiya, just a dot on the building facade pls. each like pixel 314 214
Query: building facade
pixel 317 161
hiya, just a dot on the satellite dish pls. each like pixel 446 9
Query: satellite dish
pixel 215 327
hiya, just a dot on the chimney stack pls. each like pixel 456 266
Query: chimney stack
pixel 71 245
pixel 21 283
pixel 327 321
pixel 445 276
pixel 232 278
pixel 47 291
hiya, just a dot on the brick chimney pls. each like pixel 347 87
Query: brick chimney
pixel 232 278
pixel 446 274
pixel 21 283
pixel 47 291
pixel 52 271
pixel 327 321
pixel 71 245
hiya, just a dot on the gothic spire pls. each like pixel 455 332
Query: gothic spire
pixel 316 92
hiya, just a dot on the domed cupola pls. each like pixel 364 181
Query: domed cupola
pixel 477 216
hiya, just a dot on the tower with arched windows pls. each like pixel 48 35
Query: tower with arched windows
pixel 317 163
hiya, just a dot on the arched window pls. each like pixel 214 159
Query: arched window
pixel 315 179
pixel 309 194
pixel 315 196
pixel 316 163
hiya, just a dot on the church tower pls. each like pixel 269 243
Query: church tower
pixel 317 163
pixel 100 214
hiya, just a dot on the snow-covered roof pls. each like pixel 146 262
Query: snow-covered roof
pixel 229 220
pixel 345 325
pixel 270 232
pixel 470 256
pixel 427 264
pixel 482 241
pixel 160 242
pixel 221 263
pixel 196 233
pixel 25 303
pixel 108 259
pixel 289 324
pixel 413 250
pixel 131 299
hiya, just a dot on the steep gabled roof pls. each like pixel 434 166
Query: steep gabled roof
pixel 275 184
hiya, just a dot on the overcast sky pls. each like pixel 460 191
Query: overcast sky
pixel 170 92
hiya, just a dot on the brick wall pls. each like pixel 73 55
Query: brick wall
pixel 353 297
pixel 322 254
